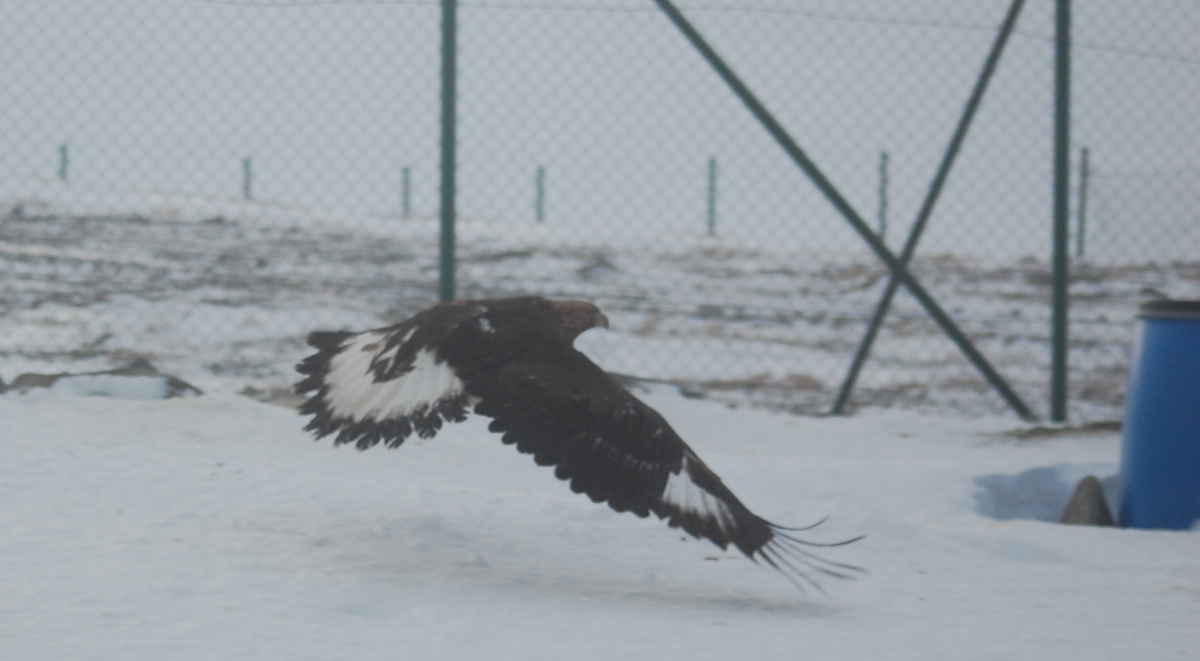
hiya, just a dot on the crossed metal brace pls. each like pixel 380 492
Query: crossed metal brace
pixel 897 265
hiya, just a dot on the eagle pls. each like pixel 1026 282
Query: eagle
pixel 514 361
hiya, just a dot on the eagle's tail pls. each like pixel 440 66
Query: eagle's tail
pixel 788 554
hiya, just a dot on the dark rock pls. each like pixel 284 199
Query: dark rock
pixel 139 367
pixel 26 381
pixel 1087 506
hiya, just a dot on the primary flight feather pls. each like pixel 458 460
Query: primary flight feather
pixel 514 361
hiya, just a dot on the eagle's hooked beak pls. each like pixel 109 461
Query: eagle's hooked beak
pixel 598 319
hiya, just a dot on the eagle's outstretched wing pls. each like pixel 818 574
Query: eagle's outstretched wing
pixel 384 384
pixel 515 362
pixel 568 413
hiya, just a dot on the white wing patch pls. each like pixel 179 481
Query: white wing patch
pixel 681 492
pixel 391 355
pixel 355 394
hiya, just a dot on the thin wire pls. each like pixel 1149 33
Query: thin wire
pixel 841 18
pixel 291 4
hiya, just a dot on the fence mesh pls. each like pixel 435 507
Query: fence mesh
pixel 202 183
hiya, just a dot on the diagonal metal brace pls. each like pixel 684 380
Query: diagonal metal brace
pixel 931 197
pixel 793 150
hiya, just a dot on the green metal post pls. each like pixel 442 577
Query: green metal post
pixel 801 159
pixel 446 271
pixel 712 196
pixel 539 203
pixel 62 161
pixel 405 194
pixel 1061 237
pixel 927 207
pixel 1081 228
pixel 246 178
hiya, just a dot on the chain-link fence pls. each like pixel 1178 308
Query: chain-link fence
pixel 202 183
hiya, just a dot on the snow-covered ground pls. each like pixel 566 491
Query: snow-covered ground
pixel 221 292
pixel 213 527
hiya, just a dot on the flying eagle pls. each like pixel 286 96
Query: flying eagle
pixel 514 361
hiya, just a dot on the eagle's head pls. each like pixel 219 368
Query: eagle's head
pixel 578 316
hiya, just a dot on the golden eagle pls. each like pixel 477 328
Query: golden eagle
pixel 514 361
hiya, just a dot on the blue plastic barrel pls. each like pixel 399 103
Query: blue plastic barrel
pixel 1160 453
